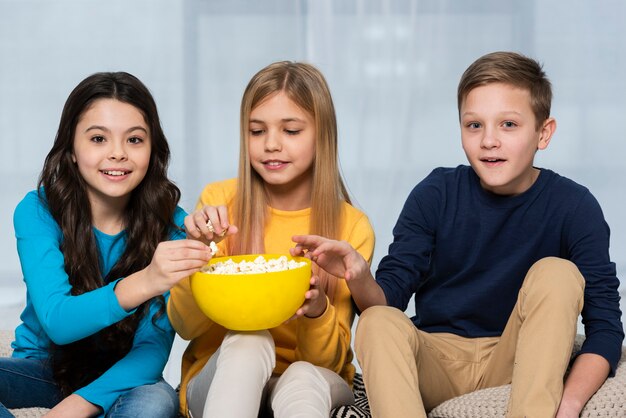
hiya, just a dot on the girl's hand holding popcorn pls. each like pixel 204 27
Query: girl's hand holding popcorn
pixel 209 223
pixel 171 262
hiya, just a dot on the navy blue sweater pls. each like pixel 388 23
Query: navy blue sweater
pixel 464 253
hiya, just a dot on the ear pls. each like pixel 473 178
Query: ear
pixel 546 132
pixel 73 158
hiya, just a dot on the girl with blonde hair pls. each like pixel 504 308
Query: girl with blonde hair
pixel 288 184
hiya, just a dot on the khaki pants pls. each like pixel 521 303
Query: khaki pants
pixel 408 372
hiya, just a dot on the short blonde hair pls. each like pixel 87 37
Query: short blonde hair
pixel 513 69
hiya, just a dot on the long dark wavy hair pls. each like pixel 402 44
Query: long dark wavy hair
pixel 148 221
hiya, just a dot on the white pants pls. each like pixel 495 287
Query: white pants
pixel 237 382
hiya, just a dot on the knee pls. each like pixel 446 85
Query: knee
pixel 379 320
pixel 298 385
pixel 380 324
pixel 163 402
pixel 556 276
pixel 158 400
pixel 257 341
pixel 248 348
pixel 301 372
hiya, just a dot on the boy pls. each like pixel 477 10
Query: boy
pixel 502 257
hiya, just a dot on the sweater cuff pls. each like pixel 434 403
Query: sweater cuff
pixel 318 319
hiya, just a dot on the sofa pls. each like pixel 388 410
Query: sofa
pixel 609 401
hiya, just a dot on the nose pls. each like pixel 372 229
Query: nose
pixel 489 140
pixel 272 140
pixel 118 151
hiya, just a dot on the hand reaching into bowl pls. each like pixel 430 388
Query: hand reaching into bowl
pixel 336 257
pixel 341 260
pixel 209 223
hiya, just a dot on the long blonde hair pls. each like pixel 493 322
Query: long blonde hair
pixel 306 87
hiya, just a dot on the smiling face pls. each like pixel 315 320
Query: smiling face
pixel 500 137
pixel 111 150
pixel 281 146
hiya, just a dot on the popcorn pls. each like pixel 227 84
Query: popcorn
pixel 213 248
pixel 259 265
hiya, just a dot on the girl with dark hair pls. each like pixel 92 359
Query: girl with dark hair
pixel 100 243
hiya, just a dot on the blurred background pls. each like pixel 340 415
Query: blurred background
pixel 392 66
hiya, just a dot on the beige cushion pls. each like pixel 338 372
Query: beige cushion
pixel 29 412
pixel 609 401
pixel 6 338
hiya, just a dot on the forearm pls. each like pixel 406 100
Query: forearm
pixel 73 406
pixel 586 376
pixel 132 290
pixel 366 292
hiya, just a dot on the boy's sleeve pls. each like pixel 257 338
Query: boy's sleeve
pixel 588 240
pixel 401 271
pixel 143 365
pixel 325 340
pixel 65 318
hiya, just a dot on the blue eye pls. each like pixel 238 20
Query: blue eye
pixel 473 125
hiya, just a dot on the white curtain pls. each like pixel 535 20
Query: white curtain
pixel 392 65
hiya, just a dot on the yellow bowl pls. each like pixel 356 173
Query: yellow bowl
pixel 250 302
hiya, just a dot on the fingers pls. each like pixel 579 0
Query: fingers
pixel 313 246
pixel 210 223
pixel 182 243
pixel 315 300
pixel 181 255
pixel 191 229
pixel 222 222
pixel 307 241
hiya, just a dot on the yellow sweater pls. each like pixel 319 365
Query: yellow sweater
pixel 323 341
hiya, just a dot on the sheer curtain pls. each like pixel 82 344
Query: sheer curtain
pixel 392 65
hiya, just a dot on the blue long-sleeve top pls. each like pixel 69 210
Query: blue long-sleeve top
pixel 464 253
pixel 53 314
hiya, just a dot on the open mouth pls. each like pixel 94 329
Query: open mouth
pixel 274 164
pixel 115 173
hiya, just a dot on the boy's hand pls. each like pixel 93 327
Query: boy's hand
pixel 335 257
pixel 341 260
pixel 209 224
